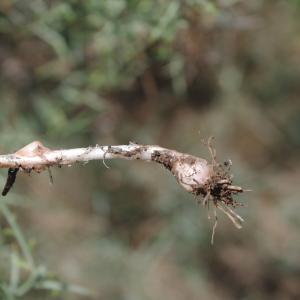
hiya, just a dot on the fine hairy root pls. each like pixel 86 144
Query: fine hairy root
pixel 210 181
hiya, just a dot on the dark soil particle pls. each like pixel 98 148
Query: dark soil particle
pixel 164 158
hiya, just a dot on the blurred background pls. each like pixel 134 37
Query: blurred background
pixel 78 73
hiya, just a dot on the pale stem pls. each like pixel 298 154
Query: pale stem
pixel 194 174
pixel 70 156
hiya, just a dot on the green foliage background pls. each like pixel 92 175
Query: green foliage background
pixel 77 73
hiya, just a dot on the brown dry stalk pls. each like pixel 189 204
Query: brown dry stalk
pixel 211 181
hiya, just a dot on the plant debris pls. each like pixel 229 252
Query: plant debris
pixel 11 178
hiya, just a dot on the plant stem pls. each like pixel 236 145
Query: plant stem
pixel 18 234
pixel 194 174
pixel 62 157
